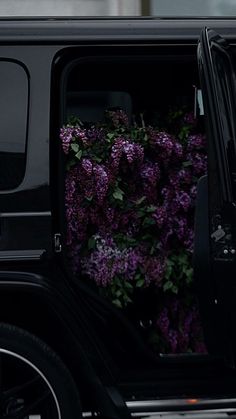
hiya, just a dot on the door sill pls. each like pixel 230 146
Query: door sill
pixel 139 408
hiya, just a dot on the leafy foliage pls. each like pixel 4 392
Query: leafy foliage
pixel 130 196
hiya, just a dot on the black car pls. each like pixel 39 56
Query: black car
pixel 65 350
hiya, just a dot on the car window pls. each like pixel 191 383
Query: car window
pixel 13 123
pixel 201 8
pixel 157 8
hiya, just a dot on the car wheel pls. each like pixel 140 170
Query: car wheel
pixel 34 383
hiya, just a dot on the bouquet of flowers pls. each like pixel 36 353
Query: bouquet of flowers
pixel 130 193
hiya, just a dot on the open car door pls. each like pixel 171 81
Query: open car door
pixel 217 286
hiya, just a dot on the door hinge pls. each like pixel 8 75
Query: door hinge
pixel 57 243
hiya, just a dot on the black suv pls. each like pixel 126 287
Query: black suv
pixel 64 350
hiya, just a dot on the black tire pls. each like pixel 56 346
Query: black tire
pixel 35 361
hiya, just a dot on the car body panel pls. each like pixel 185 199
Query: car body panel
pixel 29 268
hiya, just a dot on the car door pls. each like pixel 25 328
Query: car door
pixel 218 82
pixel 25 208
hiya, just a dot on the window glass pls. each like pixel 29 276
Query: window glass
pixel 13 123
pixel 157 8
pixel 193 8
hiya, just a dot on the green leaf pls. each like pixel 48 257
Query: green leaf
pixel 140 283
pixel 89 198
pixel 79 155
pixel 140 201
pixel 130 240
pixel 70 164
pixel 74 121
pixel 140 213
pixel 117 303
pixel 128 285
pixel 168 286
pixel 118 194
pixel 187 163
pixel 151 208
pixel 170 262
pixel 110 137
pixel 174 289
pixel 91 243
pixel 189 275
pixel 147 237
pixel 75 147
pixel 97 159
pixel 148 221
pixel 127 299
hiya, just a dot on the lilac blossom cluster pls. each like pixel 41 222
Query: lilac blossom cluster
pixel 130 206
pixel 117 118
pixel 127 150
pixel 69 134
pixel 179 327
pixel 108 261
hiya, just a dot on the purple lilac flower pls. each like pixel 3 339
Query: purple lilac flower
pixel 190 119
pixel 87 166
pixel 193 192
pixel 131 151
pixel 199 163
pixel 106 261
pixel 189 241
pixel 196 142
pixel 76 215
pixel 86 178
pixel 160 216
pixel 183 341
pixel 71 203
pixel 150 176
pixel 93 180
pixel 154 269
pixel 173 340
pixel 150 173
pixel 181 228
pixel 118 118
pixel 95 217
pixel 101 182
pixel 174 180
pixel 178 178
pixel 159 177
pixel 66 136
pixel 135 260
pixel 75 257
pixel 180 326
pixel 166 235
pixel 174 306
pixel 163 143
pixel 177 151
pixel 126 219
pixel 163 322
pixel 169 334
pixel 168 193
pixel 183 200
pixel 95 134
pixel 185 176
pixel 187 322
pixel 110 214
pixel 199 347
pixel 80 134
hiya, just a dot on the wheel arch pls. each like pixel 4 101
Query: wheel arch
pixel 28 302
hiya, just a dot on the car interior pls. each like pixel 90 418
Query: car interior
pixel 139 79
